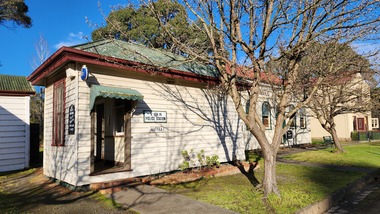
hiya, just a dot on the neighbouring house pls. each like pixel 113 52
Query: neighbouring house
pixel 116 110
pixel 15 92
pixel 351 121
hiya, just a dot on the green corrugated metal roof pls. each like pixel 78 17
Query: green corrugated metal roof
pixel 15 83
pixel 142 54
pixel 112 92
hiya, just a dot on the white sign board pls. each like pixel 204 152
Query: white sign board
pixel 155 117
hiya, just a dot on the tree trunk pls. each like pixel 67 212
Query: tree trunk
pixel 334 135
pixel 269 180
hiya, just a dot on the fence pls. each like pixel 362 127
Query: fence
pixel 365 136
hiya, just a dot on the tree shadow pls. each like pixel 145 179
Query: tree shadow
pixel 213 113
pixel 23 191
pixel 250 173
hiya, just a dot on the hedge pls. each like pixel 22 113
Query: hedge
pixel 363 136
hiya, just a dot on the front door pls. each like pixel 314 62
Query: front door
pixel 361 125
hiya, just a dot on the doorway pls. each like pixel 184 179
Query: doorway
pixel 111 136
pixel 361 125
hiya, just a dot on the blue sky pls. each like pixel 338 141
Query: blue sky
pixel 60 23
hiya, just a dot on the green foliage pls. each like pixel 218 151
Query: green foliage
pixel 141 25
pixel 364 136
pixel 201 160
pixel 37 108
pixel 355 135
pixel 185 165
pixel 252 155
pixel 212 161
pixel 15 11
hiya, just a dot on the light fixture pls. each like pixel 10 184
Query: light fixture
pixel 84 73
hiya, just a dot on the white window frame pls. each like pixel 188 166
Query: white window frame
pixel 375 123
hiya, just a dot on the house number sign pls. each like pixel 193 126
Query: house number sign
pixel 72 119
pixel 155 117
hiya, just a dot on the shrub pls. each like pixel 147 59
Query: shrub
pixel 201 159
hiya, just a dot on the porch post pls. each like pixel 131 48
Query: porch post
pixel 92 157
pixel 127 140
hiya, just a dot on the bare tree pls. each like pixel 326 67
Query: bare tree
pixel 37 101
pixel 346 86
pixel 249 33
pixel 42 52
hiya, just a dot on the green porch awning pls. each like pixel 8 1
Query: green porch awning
pixel 112 92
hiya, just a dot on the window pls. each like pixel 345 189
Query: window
pixel 303 118
pixel 266 115
pixel 247 105
pixel 293 118
pixel 375 123
pixel 59 113
pixel 119 116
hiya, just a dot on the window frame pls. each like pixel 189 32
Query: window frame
pixel 59 113
pixel 376 122
pixel 265 108
pixel 119 112
pixel 303 117
pixel 293 122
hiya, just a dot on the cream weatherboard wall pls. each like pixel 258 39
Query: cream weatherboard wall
pixel 197 119
pixel 201 122
pixel 14 133
pixel 344 125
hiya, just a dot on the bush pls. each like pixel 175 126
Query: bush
pixel 363 136
pixel 201 160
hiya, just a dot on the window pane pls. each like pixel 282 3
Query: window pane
pixel 59 114
pixel 302 122
pixel 119 115
pixel 266 114
pixel 119 119
pixel 266 121
pixel 265 109
pixel 303 118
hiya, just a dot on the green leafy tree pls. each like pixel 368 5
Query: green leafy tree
pixel 141 25
pixel 14 11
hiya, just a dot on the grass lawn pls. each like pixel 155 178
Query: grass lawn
pixel 360 155
pixel 299 185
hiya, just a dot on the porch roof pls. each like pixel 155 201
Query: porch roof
pixel 113 92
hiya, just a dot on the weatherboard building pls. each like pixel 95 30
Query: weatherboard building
pixel 116 110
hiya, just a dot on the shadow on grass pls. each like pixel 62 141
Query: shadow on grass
pixel 250 173
pixel 22 191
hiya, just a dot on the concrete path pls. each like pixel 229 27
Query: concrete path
pixel 364 201
pixel 148 199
